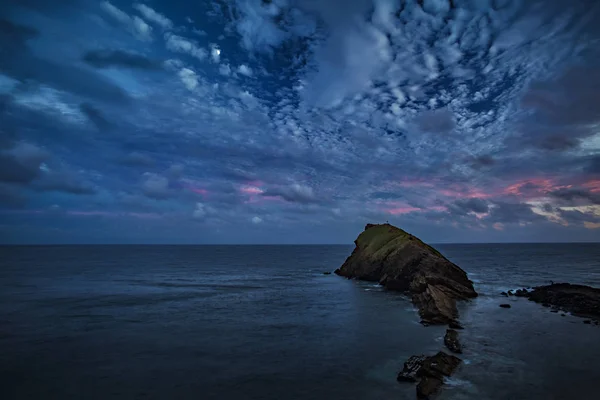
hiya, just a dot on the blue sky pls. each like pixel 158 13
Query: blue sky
pixel 299 121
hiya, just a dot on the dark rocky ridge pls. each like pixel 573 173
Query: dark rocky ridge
pixel 430 370
pixel 400 261
pixel 579 300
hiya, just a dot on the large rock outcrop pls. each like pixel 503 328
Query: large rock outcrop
pixel 400 261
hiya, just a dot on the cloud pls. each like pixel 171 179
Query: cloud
pixel 189 78
pixel 200 211
pixel 119 58
pixel 135 159
pixel 64 181
pixel 225 69
pixel 156 186
pixel 575 196
pixel 294 193
pixel 21 164
pixel 95 116
pixel 512 213
pixel 154 16
pixel 244 70
pixel 135 25
pixel 14 36
pixel 465 206
pixel 180 44
pixel 436 121
pixel 257 27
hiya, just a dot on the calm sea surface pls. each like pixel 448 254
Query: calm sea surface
pixel 263 322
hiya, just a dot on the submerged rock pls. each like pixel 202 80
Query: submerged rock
pixel 430 370
pixel 326 273
pixel 505 305
pixel 400 261
pixel 579 300
pixel 451 341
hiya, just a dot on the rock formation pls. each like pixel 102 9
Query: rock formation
pixel 579 300
pixel 400 261
pixel 451 341
pixel 430 370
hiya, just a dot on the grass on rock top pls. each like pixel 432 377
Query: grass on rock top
pixel 381 240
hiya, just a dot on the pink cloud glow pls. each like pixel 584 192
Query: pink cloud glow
pixel 251 190
pixel 200 191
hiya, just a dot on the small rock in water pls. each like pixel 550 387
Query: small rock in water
pixel 554 311
pixel 326 273
pixel 411 367
pixel 563 315
pixel 521 293
pixel 451 341
pixel 505 305
pixel 511 293
pixel 504 294
pixel 431 371
pixel 587 321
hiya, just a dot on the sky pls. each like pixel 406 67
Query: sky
pixel 299 121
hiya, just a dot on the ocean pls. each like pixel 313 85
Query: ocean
pixel 264 322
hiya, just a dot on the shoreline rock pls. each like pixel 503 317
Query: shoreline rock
pixel 430 370
pixel 580 300
pixel 402 262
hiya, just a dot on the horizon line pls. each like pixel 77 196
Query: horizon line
pixel 271 244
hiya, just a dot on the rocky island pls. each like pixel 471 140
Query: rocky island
pixel 579 300
pixel 402 262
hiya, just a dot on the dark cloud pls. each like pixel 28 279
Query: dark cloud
pixel 95 116
pixel 11 170
pixel 547 207
pixel 576 217
pixel 512 213
pixel 558 143
pixel 119 58
pixel 594 165
pixel 136 159
pixel 11 197
pixel 13 36
pixel 465 206
pixel 63 181
pixel 571 99
pixel 21 163
pixel 576 196
pixel 482 161
pixel 20 63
